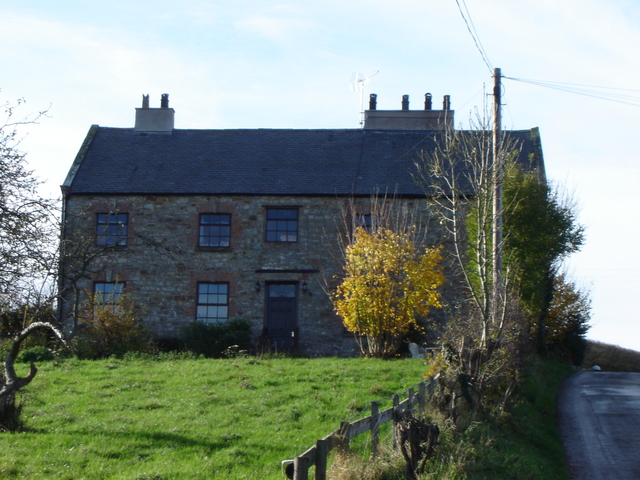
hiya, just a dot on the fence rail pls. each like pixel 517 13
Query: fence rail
pixel 298 468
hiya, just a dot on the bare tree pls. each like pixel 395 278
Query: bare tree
pixel 28 238
pixel 28 233
pixel 458 178
pixel 485 339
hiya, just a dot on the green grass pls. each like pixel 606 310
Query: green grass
pixel 188 419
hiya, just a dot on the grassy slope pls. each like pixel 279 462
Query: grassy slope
pixel 195 419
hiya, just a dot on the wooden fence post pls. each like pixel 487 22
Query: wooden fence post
pixel 396 402
pixel 431 386
pixel 300 468
pixel 375 408
pixel 322 450
pixel 344 436
pixel 422 391
pixel 410 398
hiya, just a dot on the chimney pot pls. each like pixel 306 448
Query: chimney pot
pixel 405 102
pixel 373 101
pixel 427 101
pixel 145 101
pixel 446 104
pixel 164 100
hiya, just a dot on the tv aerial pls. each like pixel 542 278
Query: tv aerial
pixel 358 82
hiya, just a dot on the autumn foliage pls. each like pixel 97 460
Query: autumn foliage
pixel 387 283
pixel 111 326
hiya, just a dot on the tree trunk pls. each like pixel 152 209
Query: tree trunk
pixel 9 411
pixel 10 383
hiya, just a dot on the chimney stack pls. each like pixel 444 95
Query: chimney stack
pixel 155 119
pixel 405 119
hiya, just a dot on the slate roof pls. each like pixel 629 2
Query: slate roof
pixel 122 161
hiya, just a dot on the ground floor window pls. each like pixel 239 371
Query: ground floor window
pixel 107 292
pixel 213 302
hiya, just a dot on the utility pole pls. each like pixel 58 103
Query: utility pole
pixel 497 197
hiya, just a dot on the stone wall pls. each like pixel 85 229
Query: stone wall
pixel 162 262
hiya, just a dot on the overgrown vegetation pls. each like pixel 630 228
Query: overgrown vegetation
pixel 509 231
pixel 611 358
pixel 521 443
pixel 541 230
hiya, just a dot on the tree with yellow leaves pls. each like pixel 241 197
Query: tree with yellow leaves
pixel 388 282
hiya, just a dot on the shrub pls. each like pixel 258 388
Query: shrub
pixel 214 340
pixel 112 327
pixel 35 354
pixel 169 344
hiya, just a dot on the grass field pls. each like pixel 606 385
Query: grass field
pixel 188 419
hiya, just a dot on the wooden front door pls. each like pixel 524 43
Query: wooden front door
pixel 281 321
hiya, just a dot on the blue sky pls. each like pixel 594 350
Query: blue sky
pixel 268 64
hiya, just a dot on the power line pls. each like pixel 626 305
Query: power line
pixel 611 94
pixel 474 34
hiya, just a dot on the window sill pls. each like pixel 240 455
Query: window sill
pixel 112 247
pixel 214 249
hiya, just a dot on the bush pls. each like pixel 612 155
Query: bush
pixel 112 327
pixel 215 339
pixel 35 354
pixel 169 344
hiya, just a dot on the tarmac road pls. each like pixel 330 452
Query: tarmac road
pixel 599 419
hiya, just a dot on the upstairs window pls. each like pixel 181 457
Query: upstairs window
pixel 112 229
pixel 215 230
pixel 213 302
pixel 107 292
pixel 364 221
pixel 367 221
pixel 282 225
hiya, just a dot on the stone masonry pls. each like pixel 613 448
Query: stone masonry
pixel 162 262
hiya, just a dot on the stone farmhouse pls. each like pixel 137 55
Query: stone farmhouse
pixel 212 224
